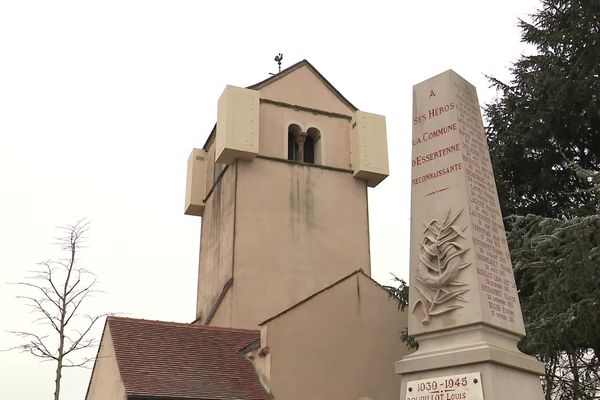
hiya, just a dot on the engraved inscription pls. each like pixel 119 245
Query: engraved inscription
pixel 491 251
pixel 451 170
pixel 454 387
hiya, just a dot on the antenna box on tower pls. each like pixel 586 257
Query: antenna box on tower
pixel 369 147
pixel 237 125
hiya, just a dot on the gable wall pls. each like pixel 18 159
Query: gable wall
pixel 341 344
pixel 303 87
pixel 106 383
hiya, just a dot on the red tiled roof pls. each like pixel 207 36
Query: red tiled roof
pixel 183 361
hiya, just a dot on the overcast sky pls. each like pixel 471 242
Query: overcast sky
pixel 101 103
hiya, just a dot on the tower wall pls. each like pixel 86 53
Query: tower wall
pixel 284 225
pixel 300 231
pixel 216 244
pixel 297 228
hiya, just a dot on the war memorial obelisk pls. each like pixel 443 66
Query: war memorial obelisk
pixel 463 307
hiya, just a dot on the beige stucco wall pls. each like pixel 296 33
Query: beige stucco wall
pixel 210 164
pixel 216 243
pixel 283 230
pixel 340 344
pixel 106 383
pixel 341 214
pixel 298 229
pixel 334 144
pixel 302 87
pixel 223 315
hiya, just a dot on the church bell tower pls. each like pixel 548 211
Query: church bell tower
pixel 281 186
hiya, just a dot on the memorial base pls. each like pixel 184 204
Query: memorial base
pixel 506 373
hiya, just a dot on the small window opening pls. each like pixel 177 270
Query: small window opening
pixel 303 146
pixel 312 150
pixel 294 131
pixel 309 150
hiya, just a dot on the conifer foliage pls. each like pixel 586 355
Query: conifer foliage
pixel 556 264
pixel 548 116
pixel 544 137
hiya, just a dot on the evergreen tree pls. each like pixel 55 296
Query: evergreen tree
pixel 544 138
pixel 557 269
pixel 548 116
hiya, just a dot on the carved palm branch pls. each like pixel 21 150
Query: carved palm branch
pixel 440 261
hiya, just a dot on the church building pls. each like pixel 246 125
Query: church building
pixel 286 308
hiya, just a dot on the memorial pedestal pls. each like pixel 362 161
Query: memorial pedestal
pixel 506 373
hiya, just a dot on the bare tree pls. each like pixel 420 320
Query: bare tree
pixel 55 292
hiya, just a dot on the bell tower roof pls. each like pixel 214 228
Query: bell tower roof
pixel 301 84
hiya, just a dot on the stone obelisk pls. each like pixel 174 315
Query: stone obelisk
pixel 463 307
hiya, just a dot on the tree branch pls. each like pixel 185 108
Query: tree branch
pixel 56 293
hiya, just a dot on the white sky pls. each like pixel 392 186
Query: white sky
pixel 101 103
